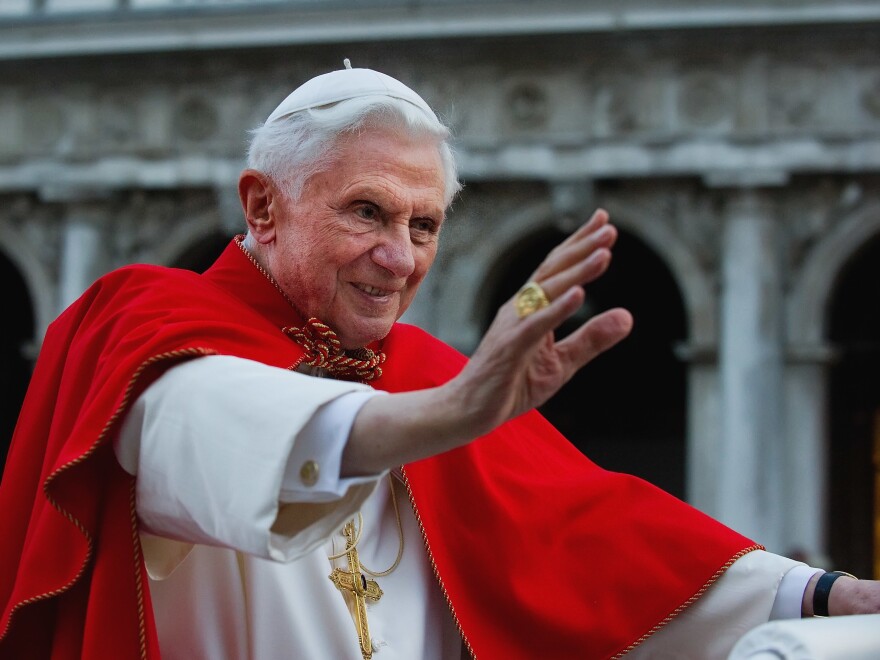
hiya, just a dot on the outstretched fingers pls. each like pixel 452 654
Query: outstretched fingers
pixel 564 279
pixel 534 327
pixel 597 221
pixel 577 261
pixel 578 274
pixel 595 235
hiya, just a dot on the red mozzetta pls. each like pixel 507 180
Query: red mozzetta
pixel 540 552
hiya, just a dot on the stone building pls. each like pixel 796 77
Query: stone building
pixel 736 145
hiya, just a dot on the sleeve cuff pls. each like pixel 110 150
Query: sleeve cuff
pixel 313 467
pixel 790 595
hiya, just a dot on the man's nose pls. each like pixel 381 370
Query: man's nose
pixel 394 252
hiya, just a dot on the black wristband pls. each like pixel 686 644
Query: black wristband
pixel 823 590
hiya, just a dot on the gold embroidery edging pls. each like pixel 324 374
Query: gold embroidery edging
pixel 189 352
pixel 434 565
pixel 678 610
pixel 690 601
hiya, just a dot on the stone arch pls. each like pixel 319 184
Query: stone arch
pixel 810 296
pixel 822 373
pixel 18 335
pixel 40 286
pixel 652 444
pixel 181 247
pixel 516 229
pixel 466 281
pixel 461 294
pixel 472 272
pixel 694 284
pixel 853 330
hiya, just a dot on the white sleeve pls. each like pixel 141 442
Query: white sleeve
pixel 315 463
pixel 213 445
pixel 739 600
pixel 790 597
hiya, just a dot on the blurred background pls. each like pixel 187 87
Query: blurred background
pixel 735 144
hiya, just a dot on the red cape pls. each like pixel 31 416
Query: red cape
pixel 539 552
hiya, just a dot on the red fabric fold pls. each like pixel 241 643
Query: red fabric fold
pixel 540 552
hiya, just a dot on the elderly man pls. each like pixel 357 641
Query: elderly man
pixel 208 466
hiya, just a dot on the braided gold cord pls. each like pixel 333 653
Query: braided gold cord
pixel 323 350
pixel 322 345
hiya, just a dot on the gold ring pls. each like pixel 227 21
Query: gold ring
pixel 530 299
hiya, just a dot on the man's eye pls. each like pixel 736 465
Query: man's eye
pixel 367 212
pixel 423 225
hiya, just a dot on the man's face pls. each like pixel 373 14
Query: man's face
pixel 353 250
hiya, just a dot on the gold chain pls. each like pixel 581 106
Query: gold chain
pixel 239 241
pixel 357 538
pixel 360 527
pixel 399 535
pixel 321 344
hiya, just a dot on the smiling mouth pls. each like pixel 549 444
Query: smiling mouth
pixel 373 291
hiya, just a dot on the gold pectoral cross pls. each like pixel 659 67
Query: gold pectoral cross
pixel 355 585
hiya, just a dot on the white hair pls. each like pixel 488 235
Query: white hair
pixel 292 149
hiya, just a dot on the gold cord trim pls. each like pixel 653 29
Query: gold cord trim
pixel 619 655
pixel 690 601
pixel 138 569
pixel 440 582
pixel 239 241
pixel 324 350
pixel 190 352
pixel 321 344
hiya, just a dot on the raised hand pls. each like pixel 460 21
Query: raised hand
pixel 519 364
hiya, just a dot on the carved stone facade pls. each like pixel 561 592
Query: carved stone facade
pixel 743 154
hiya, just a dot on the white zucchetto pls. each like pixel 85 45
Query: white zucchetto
pixel 343 85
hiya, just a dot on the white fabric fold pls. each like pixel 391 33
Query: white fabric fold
pixel 737 602
pixel 836 638
pixel 212 440
pixel 217 442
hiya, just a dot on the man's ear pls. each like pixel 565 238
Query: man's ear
pixel 258 196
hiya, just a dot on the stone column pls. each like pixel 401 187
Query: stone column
pixel 750 359
pixel 806 460
pixel 82 256
pixel 703 426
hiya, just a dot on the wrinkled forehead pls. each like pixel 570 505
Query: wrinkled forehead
pixel 396 162
pixel 345 84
